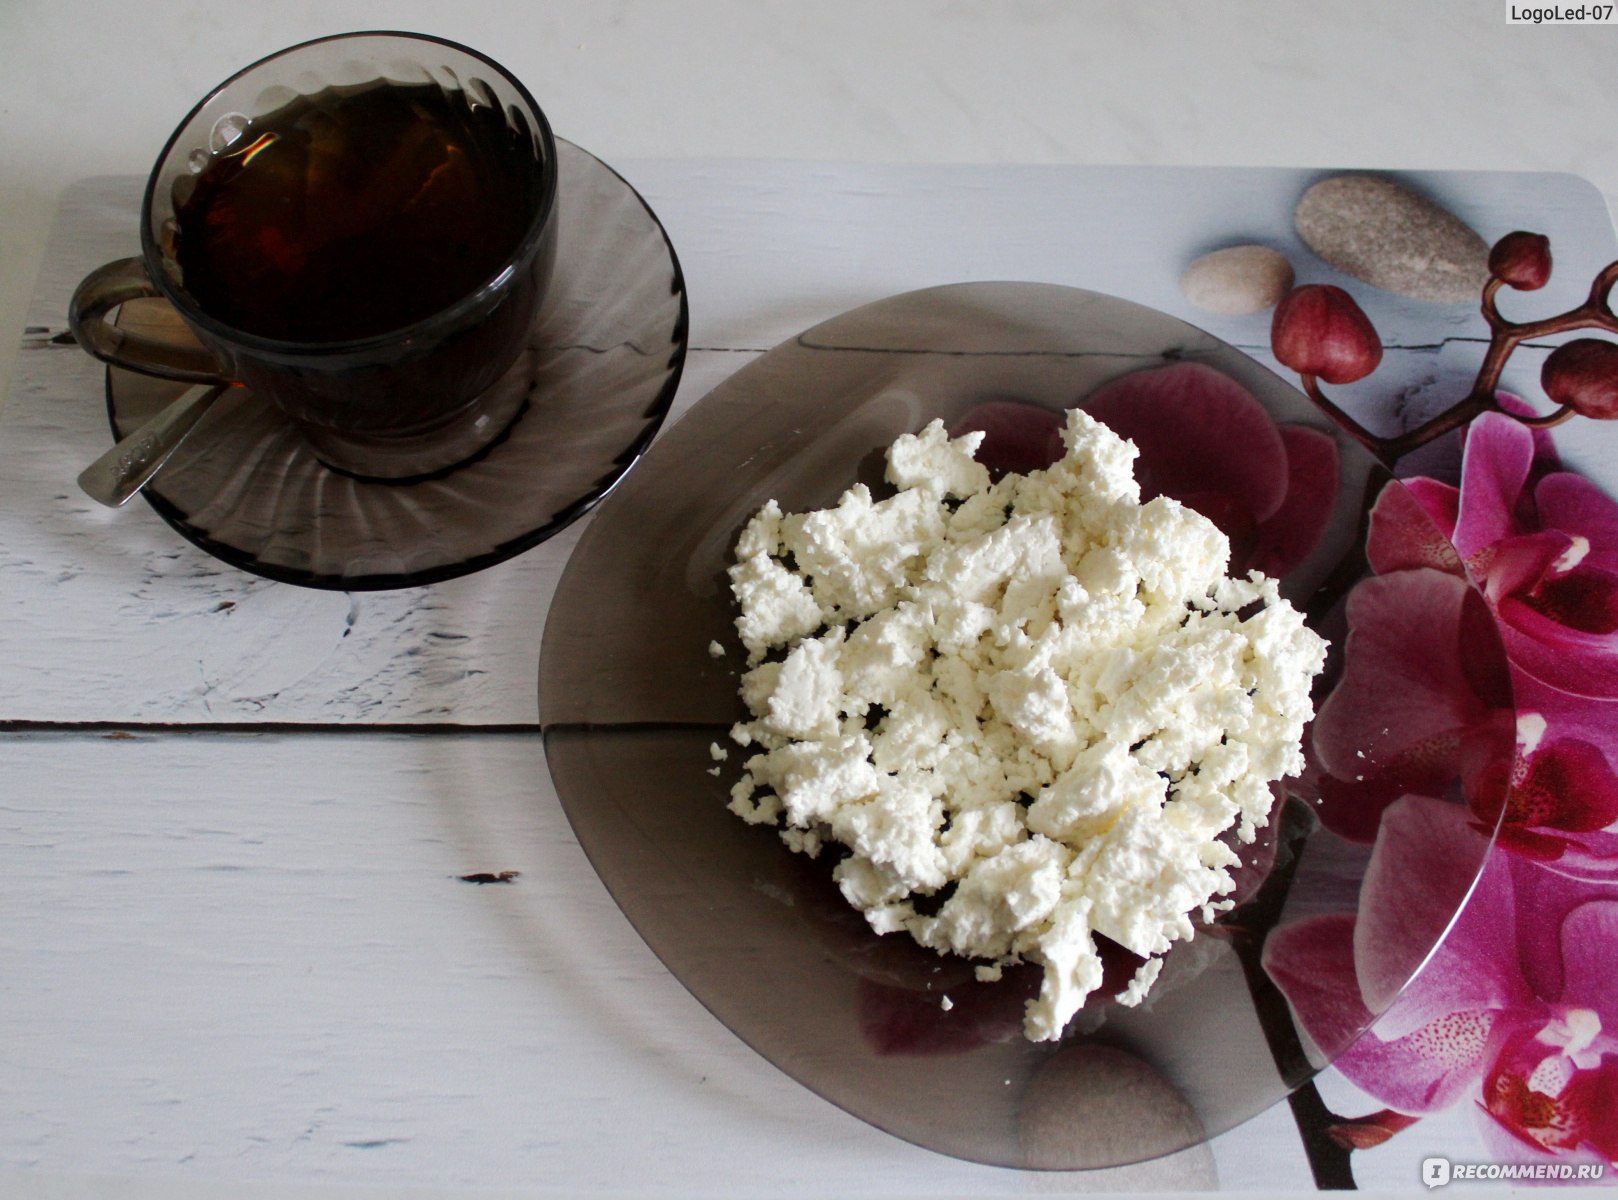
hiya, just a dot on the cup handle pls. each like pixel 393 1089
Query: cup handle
pixel 106 288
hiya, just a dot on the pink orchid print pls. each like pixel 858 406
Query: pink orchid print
pixel 1536 548
pixel 1476 697
pixel 1515 1011
pixel 1540 545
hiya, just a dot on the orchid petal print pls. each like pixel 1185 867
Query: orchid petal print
pixel 1521 1019
pixel 1516 1011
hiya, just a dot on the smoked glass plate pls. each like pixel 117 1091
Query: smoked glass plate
pixel 631 700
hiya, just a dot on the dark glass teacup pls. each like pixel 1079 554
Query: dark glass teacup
pixel 359 229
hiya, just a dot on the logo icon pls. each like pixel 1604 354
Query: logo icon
pixel 1435 1172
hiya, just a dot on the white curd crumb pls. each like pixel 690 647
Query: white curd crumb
pixel 1037 704
pixel 1141 983
pixel 946 1004
pixel 716 650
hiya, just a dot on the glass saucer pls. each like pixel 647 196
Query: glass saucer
pixel 631 699
pixel 596 382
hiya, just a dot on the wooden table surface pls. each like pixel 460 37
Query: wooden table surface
pixel 234 814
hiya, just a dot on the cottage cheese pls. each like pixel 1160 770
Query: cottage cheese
pixel 1028 710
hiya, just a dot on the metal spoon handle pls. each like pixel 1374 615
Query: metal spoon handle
pixel 124 470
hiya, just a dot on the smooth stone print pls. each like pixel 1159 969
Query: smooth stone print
pixel 1087 1106
pixel 1238 280
pixel 1390 237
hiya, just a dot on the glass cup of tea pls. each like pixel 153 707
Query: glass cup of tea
pixel 358 229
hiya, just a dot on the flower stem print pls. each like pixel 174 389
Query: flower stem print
pixel 1248 928
pixel 1322 334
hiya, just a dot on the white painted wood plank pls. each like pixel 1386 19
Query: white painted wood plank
pixel 258 963
pixel 112 617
